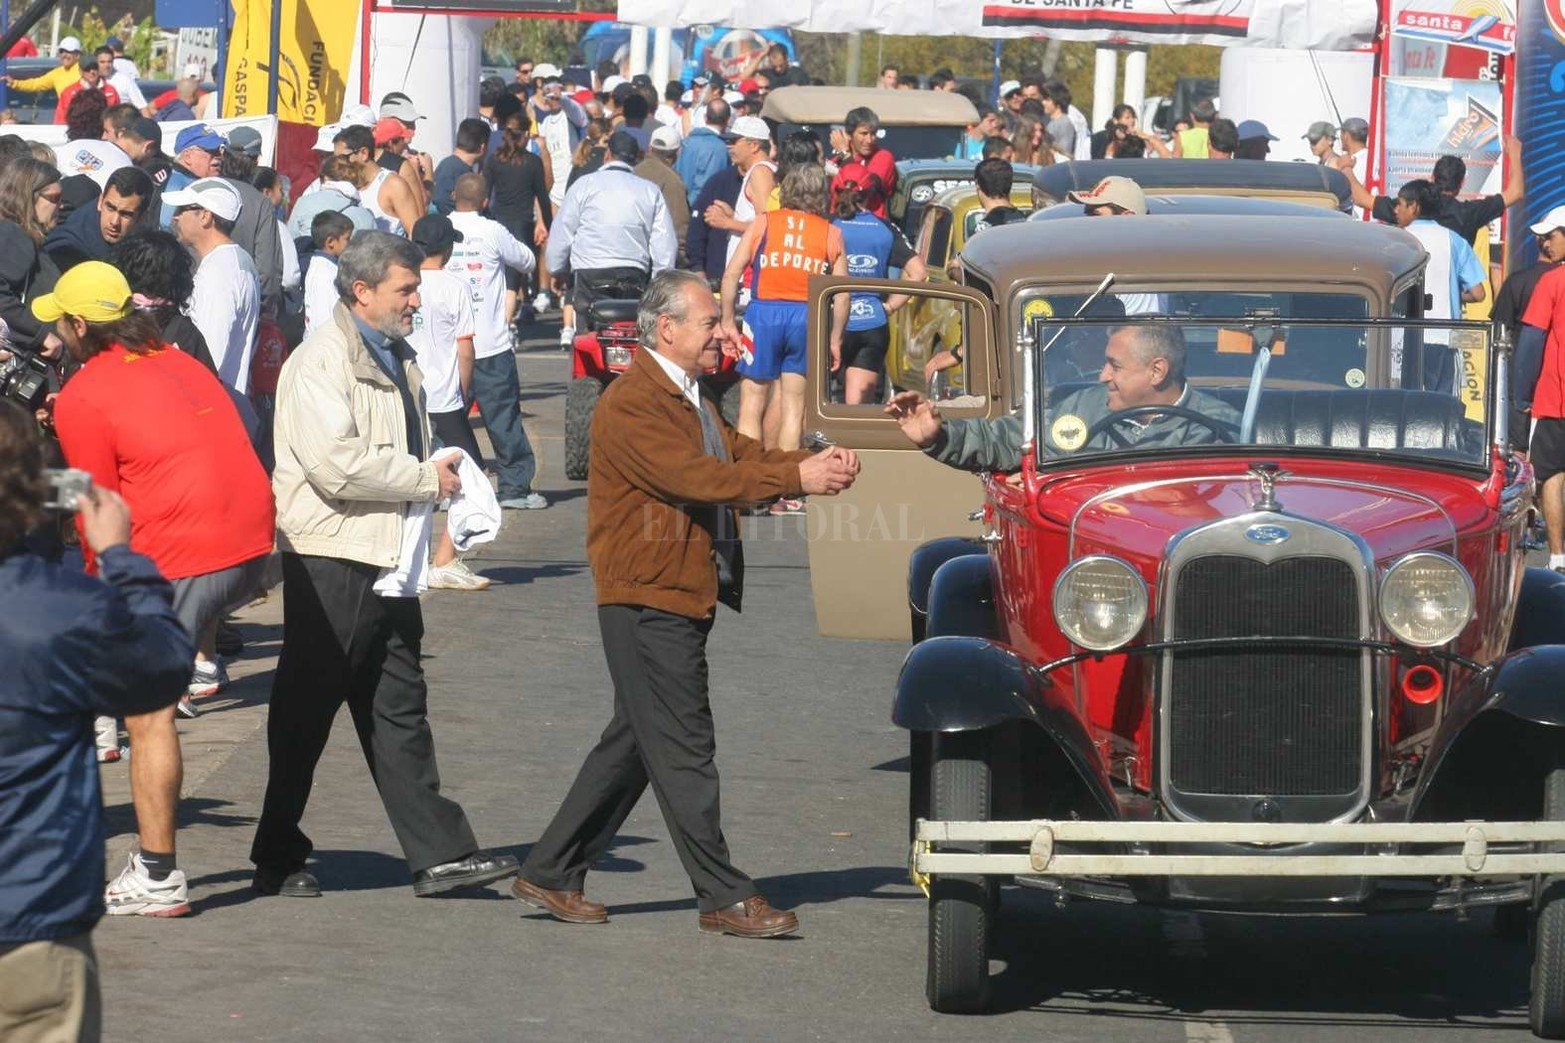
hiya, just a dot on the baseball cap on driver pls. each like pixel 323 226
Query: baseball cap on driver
pixel 1552 220
pixel 1113 191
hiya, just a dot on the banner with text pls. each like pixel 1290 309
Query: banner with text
pixel 316 47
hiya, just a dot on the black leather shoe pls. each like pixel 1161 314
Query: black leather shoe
pixel 271 880
pixel 475 870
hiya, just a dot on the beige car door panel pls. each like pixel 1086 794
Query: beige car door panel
pixel 860 540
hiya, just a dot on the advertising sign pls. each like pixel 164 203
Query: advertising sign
pixel 1539 100
pixel 1198 21
pixel 1489 25
pixel 1430 118
pixel 730 53
pixel 316 47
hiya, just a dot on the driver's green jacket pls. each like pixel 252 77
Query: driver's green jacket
pixel 996 445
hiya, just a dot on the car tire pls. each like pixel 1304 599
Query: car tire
pixel 581 398
pixel 1546 1008
pixel 960 907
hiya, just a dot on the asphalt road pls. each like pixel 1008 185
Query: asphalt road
pixel 814 803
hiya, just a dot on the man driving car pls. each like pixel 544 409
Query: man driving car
pixel 1143 368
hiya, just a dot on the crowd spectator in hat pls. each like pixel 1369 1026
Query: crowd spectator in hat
pixel 30 196
pixel 1463 216
pixel 560 124
pixel 1255 140
pixel 165 435
pixel 704 151
pixel 255 230
pixel 472 144
pixel 1322 136
pixel 416 165
pixel 92 232
pixel 658 168
pixel 196 153
pixel 863 160
pixel 1513 299
pixel 90 79
pixel 58 79
pixel 481 256
pixel 162 276
pixel 226 302
pixel 337 191
pixel 84 646
pixel 384 194
pixel 749 148
pixel 391 142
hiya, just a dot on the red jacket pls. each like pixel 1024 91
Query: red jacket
pixel 110 95
pixel 877 176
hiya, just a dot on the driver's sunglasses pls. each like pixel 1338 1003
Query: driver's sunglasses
pixel 1106 210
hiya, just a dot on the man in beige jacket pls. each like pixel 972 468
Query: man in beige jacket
pixel 353 486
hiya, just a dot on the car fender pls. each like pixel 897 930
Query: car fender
pixel 1503 731
pixel 961 599
pixel 954 684
pixel 1540 610
pixel 926 559
pixel 587 357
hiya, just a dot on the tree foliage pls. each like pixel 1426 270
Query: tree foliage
pixel 541 39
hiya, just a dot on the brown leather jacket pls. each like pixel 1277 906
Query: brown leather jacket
pixel 647 471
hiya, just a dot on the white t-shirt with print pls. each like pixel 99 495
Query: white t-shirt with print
pixel 444 316
pixel 93 157
pixel 320 292
pixel 226 308
pixel 481 258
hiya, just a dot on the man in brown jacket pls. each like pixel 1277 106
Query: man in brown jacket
pixel 662 537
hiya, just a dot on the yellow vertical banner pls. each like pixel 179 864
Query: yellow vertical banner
pixel 316 47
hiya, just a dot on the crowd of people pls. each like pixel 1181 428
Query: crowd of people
pixel 243 369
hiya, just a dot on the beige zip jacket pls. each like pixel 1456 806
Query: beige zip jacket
pixel 344 476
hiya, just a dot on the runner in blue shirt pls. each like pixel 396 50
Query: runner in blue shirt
pixel 873 248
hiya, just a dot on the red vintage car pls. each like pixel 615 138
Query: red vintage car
pixel 1271 648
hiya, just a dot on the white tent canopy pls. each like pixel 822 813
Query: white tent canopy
pixel 1313 24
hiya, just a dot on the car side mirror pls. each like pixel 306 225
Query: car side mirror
pixel 1429 303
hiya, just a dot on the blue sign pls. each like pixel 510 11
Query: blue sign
pixel 1540 122
pixel 190 14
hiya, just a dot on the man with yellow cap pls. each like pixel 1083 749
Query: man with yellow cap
pixel 151 423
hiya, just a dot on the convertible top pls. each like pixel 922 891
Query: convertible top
pixel 1193 205
pixel 1300 182
pixel 807 105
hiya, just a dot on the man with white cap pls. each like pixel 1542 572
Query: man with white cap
pixel 91 79
pixel 58 78
pixel 658 168
pixel 415 167
pixel 1538 383
pixel 749 148
pixel 225 304
pixel 1516 293
pixel 560 121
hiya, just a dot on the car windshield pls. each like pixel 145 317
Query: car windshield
pixel 1172 372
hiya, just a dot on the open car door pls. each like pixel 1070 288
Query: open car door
pixel 860 540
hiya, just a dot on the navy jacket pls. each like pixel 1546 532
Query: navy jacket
pixel 706 248
pixel 702 155
pixel 73 646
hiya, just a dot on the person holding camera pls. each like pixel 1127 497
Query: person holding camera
pixel 74 646
pixel 150 422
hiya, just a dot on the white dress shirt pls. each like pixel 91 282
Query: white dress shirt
pixel 612 219
pixel 687 385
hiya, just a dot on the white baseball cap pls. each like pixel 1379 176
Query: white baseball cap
pixel 753 127
pixel 666 138
pixel 357 116
pixel 608 84
pixel 209 193
pixel 70 43
pixel 1008 86
pixel 546 71
pixel 192 71
pixel 323 139
pixel 1553 219
pixel 399 106
pixel 733 97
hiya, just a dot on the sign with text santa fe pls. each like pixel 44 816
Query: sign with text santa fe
pixel 1488 25
pixel 1331 25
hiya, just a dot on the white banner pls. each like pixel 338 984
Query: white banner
pixel 1331 25
pixel 53 134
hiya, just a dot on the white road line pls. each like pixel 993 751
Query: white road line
pixel 1186 941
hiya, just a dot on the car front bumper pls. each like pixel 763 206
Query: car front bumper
pixel 1108 849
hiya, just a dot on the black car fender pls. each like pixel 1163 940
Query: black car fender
pixel 961 600
pixel 1504 731
pixel 1540 610
pixel 921 568
pixel 953 684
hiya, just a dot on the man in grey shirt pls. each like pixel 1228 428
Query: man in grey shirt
pixel 1056 105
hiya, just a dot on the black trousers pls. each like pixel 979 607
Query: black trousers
pixel 455 429
pixel 342 642
pixel 661 733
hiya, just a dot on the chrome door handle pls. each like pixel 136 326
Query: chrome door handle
pixel 991 537
pixel 977 515
pixel 818 440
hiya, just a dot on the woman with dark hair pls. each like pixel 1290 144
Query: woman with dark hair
pixel 516 187
pixel 161 277
pixel 30 195
pixel 873 247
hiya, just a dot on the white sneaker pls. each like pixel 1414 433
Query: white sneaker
pixel 541 302
pixel 134 893
pixel 530 502
pixel 567 336
pixel 207 678
pixel 456 576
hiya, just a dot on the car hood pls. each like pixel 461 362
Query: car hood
pixel 1135 519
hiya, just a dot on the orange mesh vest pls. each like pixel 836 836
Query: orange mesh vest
pixel 794 247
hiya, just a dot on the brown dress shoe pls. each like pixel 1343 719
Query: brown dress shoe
pixel 568 906
pixel 752 918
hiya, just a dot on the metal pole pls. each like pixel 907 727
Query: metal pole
pixel 1105 70
pixel 662 47
pixel 18 29
pixel 1136 78
pixel 855 58
pixel 994 88
pixel 638 50
pixel 275 56
pixel 5 22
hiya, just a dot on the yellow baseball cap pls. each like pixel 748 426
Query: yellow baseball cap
pixel 92 291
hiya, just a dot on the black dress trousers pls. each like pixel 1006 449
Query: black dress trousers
pixel 661 733
pixel 342 642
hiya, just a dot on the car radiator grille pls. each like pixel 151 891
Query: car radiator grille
pixel 1285 722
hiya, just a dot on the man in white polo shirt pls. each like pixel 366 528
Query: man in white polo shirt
pixel 481 256
pixel 226 302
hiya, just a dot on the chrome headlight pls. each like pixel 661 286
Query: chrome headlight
pixel 1100 602
pixel 617 357
pixel 1426 599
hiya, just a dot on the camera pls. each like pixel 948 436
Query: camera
pixel 65 485
pixel 24 379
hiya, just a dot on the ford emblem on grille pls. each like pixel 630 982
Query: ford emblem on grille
pixel 1266 534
